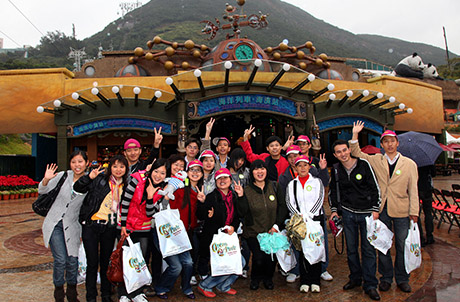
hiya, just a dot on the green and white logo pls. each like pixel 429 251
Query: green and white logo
pixel 271 197
pixel 359 176
pixel 309 188
pixel 398 172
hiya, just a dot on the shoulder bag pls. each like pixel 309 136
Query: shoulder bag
pixel 43 204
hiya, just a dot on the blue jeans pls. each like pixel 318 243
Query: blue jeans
pixel 65 267
pixel 354 226
pixel 400 228
pixel 222 283
pixel 180 264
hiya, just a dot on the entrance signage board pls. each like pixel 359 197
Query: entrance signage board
pixel 119 123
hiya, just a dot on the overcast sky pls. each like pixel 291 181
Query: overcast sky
pixel 414 21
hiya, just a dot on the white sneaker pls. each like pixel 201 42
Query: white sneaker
pixel 193 281
pixel 124 299
pixel 140 298
pixel 315 288
pixel 304 288
pixel 244 274
pixel 326 276
pixel 291 278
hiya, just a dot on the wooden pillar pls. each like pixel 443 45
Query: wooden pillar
pixel 92 148
pixel 62 148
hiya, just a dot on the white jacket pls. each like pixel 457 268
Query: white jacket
pixel 310 197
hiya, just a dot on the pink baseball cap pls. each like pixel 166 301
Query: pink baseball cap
pixel 293 149
pixel 222 172
pixel 194 163
pixel 302 158
pixel 132 143
pixel 207 153
pixel 388 133
pixel 303 138
pixel 216 140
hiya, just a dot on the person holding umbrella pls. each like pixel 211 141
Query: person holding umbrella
pixel 397 179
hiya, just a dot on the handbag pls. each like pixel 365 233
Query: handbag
pixel 225 254
pixel 135 271
pixel 313 245
pixel 43 204
pixel 286 257
pixel 115 269
pixel 378 234
pixel 296 227
pixel 82 264
pixel 412 252
pixel 172 236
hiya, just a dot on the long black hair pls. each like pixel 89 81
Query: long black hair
pixel 188 190
pixel 121 159
pixel 156 164
pixel 235 155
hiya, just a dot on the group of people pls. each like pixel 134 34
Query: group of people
pixel 237 189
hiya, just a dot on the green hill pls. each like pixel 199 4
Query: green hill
pixel 178 20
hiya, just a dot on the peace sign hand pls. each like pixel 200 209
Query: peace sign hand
pixel 96 172
pixel 209 126
pixel 247 132
pixel 322 161
pixel 151 190
pixel 201 196
pixel 158 138
pixel 289 142
pixel 238 188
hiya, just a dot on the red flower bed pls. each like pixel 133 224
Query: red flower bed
pixel 16 182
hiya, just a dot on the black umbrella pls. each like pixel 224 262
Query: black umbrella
pixel 420 147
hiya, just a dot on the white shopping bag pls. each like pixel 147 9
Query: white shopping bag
pixel 172 236
pixel 412 252
pixel 135 272
pixel 225 254
pixel 81 277
pixel 286 258
pixel 313 244
pixel 378 234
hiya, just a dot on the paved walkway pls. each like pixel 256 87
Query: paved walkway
pixel 26 266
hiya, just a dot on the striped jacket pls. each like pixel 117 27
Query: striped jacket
pixel 310 197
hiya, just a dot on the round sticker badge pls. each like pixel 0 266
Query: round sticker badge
pixel 359 176
pixel 241 176
pixel 309 188
pixel 398 172
pixel 271 197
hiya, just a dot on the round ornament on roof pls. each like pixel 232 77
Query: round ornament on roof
pixel 131 70
pixel 330 74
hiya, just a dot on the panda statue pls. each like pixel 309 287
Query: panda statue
pixel 410 67
pixel 430 72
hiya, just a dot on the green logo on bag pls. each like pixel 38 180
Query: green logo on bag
pixel 223 248
pixel 167 230
pixel 359 176
pixel 316 238
pixel 133 263
pixel 415 249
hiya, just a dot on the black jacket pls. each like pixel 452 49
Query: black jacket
pixel 217 221
pixel 97 189
pixel 359 192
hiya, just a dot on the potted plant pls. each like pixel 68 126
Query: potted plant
pixel 5 195
pixel 22 193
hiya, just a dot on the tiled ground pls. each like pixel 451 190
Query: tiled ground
pixel 26 266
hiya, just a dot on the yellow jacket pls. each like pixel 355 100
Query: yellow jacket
pixel 400 191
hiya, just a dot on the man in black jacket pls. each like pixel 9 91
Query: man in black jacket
pixel 354 191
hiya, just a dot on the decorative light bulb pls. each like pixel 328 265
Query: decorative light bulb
pixel 258 62
pixel 228 64
pixel 95 84
pixel 286 67
pixel 169 81
pixel 57 103
pixel 115 89
pixel 379 95
pixel 366 92
pixel 410 110
pixel 40 109
pixel 158 94
pixel 197 73
pixel 349 93
pixel 311 77
pixel 392 99
pixel 75 96
pixel 330 87
pixel 402 106
pixel 136 90
pixel 332 96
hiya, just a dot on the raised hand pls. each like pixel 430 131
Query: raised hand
pixel 209 126
pixel 50 172
pixel 151 190
pixel 158 138
pixel 322 161
pixel 95 172
pixel 247 132
pixel 238 188
pixel 201 196
pixel 289 142
pixel 211 213
pixel 357 127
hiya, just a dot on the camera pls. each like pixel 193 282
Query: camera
pixel 336 225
